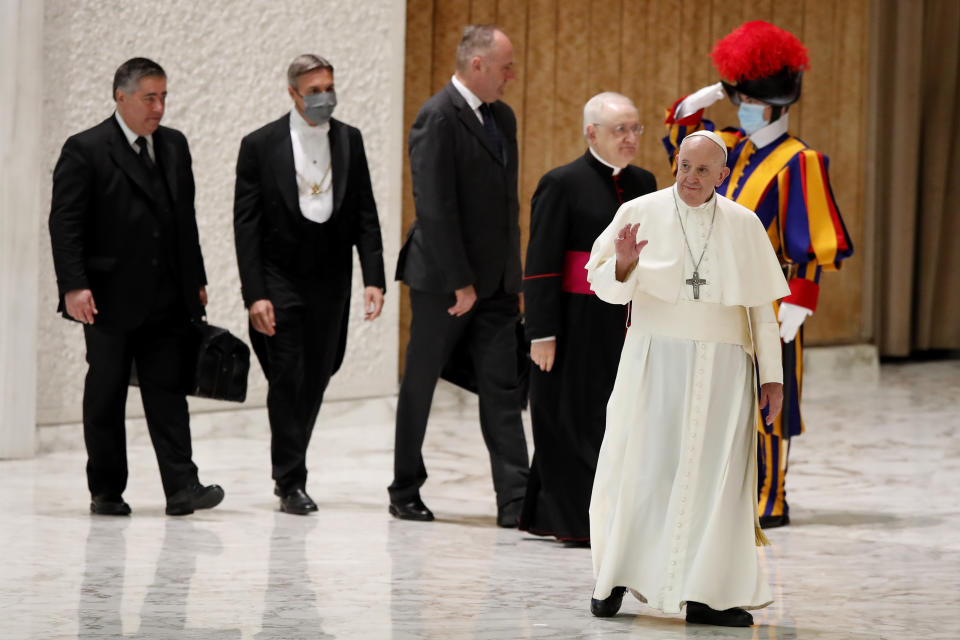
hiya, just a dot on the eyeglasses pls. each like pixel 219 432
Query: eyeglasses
pixel 620 130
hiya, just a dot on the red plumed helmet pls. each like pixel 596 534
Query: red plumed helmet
pixel 762 61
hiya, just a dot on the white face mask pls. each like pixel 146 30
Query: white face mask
pixel 751 117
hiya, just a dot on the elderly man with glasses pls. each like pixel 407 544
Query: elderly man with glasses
pixel 576 338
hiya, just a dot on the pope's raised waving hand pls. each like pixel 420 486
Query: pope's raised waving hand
pixel 628 249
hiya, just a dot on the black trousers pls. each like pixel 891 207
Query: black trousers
pixel 489 330
pixel 298 362
pixel 161 349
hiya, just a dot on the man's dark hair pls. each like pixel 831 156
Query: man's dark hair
pixel 128 75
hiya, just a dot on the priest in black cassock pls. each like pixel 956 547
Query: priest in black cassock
pixel 575 337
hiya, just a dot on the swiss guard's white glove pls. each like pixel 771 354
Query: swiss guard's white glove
pixel 791 316
pixel 699 100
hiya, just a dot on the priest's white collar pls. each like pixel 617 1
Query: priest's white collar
pixel 616 170
pixel 299 124
pixel 762 137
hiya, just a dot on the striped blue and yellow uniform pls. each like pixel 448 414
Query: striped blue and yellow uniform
pixel 787 184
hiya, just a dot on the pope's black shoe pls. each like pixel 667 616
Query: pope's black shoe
pixel 297 501
pixel 700 613
pixel 509 514
pixel 193 497
pixel 772 522
pixel 609 606
pixel 412 510
pixel 109 505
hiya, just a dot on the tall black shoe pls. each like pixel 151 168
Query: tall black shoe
pixel 412 510
pixel 772 522
pixel 509 514
pixel 109 505
pixel 699 613
pixel 609 606
pixel 297 501
pixel 193 497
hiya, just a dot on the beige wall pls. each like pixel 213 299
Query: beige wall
pixel 21 26
pixel 226 63
pixel 655 51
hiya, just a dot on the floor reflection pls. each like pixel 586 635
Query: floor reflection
pixel 407 597
pixel 105 561
pixel 164 610
pixel 290 604
pixel 873 551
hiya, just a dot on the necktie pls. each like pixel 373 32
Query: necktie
pixel 142 143
pixel 490 128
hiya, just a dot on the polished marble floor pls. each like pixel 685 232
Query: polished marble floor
pixel 873 552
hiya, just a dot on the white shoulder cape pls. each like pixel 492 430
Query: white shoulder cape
pixel 748 270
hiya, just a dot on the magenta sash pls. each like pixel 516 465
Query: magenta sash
pixel 574 273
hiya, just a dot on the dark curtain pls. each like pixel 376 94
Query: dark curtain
pixel 914 183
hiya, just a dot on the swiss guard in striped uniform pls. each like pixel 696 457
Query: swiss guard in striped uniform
pixel 576 338
pixel 786 183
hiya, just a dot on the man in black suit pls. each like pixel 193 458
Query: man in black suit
pixel 127 256
pixel 461 260
pixel 303 201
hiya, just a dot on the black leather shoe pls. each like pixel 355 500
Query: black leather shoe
pixel 509 514
pixel 297 501
pixel 107 505
pixel 772 522
pixel 196 496
pixel 576 544
pixel 609 606
pixel 413 510
pixel 699 613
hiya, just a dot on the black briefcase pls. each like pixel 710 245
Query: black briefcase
pixel 216 366
pixel 222 365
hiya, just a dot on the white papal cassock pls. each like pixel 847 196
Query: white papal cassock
pixel 673 511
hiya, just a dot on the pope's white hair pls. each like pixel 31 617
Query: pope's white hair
pixel 593 110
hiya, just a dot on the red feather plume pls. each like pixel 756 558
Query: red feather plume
pixel 758 49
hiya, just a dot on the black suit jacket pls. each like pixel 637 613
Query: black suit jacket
pixel 105 231
pixel 466 231
pixel 276 243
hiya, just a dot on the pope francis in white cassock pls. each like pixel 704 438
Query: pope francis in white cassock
pixel 673 513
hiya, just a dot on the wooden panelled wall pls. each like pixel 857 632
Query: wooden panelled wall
pixel 655 51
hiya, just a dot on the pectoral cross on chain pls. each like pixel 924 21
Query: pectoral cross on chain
pixel 695 282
